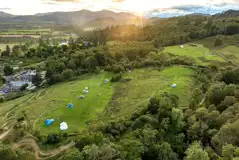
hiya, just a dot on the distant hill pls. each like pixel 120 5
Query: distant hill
pixel 75 18
pixel 5 15
pixel 227 14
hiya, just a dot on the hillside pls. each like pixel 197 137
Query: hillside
pixel 75 18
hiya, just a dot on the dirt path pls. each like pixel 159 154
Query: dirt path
pixel 203 100
pixel 4 134
pixel 42 154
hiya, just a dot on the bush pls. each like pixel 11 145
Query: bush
pixel 116 78
pixel 53 139
pixel 2 99
pixel 218 41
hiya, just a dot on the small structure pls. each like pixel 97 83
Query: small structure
pixel 174 85
pixel 63 126
pixel 16 85
pixel 82 97
pixel 86 91
pixel 86 88
pixel 31 87
pixel 181 46
pixel 49 122
pixel 70 105
pixel 106 81
pixel 16 68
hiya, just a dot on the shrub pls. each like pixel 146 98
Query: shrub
pixel 116 78
pixel 218 41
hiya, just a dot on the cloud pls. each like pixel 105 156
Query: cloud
pixel 209 8
pixel 118 1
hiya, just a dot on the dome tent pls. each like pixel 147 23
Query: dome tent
pixel 49 122
pixel 85 91
pixel 106 81
pixel 86 88
pixel 174 85
pixel 63 126
pixel 70 105
pixel 82 97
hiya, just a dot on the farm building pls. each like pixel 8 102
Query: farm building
pixel 16 85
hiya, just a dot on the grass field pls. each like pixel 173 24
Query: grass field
pixel 52 103
pixel 227 40
pixel 145 83
pixel 201 54
pixel 121 98
pixel 231 52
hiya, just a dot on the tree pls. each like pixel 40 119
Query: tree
pixel 7 153
pixel 8 50
pixel 23 87
pixel 227 152
pixel 91 152
pixel 232 29
pixel 67 74
pixel 195 152
pixel 37 79
pixel 53 139
pixel 7 70
pixel 218 42
pixel 72 155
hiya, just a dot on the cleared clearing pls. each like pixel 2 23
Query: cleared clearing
pixel 231 52
pixel 201 54
pixel 133 95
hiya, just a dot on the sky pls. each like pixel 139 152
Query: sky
pixel 147 7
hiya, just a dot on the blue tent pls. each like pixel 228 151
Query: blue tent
pixel 49 122
pixel 70 105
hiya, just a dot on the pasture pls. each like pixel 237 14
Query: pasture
pixel 201 54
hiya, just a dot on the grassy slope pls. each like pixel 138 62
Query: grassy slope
pixel 231 52
pixel 227 40
pixel 195 52
pixel 52 103
pixel 127 97
pixel 131 96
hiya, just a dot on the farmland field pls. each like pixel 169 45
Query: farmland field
pixel 201 54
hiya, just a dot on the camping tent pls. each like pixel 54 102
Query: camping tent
pixel 82 97
pixel 70 105
pixel 106 81
pixel 86 88
pixel 85 91
pixel 174 85
pixel 63 126
pixel 49 122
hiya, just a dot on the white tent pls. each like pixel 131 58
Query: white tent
pixel 174 85
pixel 106 81
pixel 181 46
pixel 86 88
pixel 85 91
pixel 63 126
